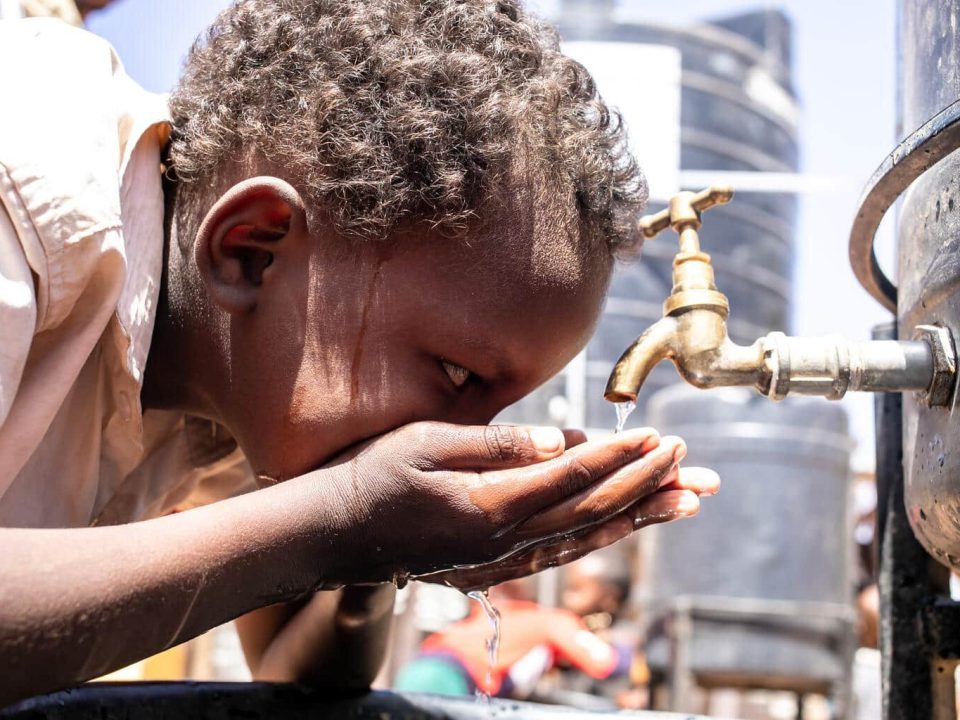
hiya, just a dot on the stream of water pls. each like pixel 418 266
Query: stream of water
pixel 493 642
pixel 623 412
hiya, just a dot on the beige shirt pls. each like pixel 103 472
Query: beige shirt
pixel 81 250
pixel 65 10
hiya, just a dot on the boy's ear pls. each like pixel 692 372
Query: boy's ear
pixel 240 235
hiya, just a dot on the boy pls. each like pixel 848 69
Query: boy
pixel 361 230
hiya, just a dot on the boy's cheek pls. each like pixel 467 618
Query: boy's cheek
pixel 321 421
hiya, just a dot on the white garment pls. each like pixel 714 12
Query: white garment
pixel 81 246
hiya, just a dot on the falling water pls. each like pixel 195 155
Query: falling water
pixel 623 412
pixel 493 642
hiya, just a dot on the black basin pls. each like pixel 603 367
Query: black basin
pixel 250 701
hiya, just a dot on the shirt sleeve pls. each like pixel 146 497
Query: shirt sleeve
pixel 18 313
pixel 573 642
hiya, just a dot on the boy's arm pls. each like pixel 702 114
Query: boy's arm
pixel 337 637
pixel 75 604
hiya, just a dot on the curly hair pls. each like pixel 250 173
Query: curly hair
pixel 387 112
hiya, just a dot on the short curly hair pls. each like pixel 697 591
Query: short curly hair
pixel 389 112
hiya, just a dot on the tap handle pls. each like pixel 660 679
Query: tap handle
pixel 652 225
pixel 684 209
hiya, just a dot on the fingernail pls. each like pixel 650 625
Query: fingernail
pixel 688 504
pixel 546 439
pixel 701 480
pixel 647 437
pixel 680 452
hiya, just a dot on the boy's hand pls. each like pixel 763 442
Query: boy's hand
pixel 677 497
pixel 431 496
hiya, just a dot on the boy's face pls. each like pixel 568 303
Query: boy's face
pixel 355 339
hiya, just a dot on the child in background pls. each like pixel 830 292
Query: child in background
pixel 533 640
pixel 288 303
pixel 597 588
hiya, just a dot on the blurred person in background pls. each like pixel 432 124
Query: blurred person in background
pixel 534 639
pixel 71 11
pixel 596 588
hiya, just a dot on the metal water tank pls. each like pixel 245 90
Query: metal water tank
pixel 929 262
pixel 760 586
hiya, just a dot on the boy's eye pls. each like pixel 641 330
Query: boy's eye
pixel 458 375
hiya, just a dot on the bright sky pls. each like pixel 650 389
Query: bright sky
pixel 845 75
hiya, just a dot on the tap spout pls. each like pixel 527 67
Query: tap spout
pixel 634 366
pixel 697 343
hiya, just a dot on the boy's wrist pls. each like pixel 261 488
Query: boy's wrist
pixel 329 546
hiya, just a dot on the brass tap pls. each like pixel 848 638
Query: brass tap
pixel 693 334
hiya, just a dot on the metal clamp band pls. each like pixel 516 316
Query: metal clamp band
pixel 924 148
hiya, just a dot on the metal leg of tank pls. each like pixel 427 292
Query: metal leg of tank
pixel 919 625
pixel 682 680
pixel 827 624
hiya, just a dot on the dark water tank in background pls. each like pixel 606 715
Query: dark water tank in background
pixel 738 113
pixel 772 550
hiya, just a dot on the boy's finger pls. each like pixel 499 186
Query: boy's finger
pixel 485 447
pixel 573 437
pixel 518 494
pixel 701 480
pixel 664 506
pixel 619 487
pixel 661 507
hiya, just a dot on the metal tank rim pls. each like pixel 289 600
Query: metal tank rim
pixel 921 150
pixel 196 700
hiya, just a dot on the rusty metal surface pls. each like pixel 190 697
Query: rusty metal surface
pixel 929 275
pixel 255 701
pixel 929 59
pixel 929 86
pixel 929 254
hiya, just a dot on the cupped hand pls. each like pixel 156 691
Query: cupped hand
pixel 678 496
pixel 433 496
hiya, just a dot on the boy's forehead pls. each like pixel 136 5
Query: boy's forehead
pixel 531 227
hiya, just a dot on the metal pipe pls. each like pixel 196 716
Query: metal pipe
pixel 831 366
